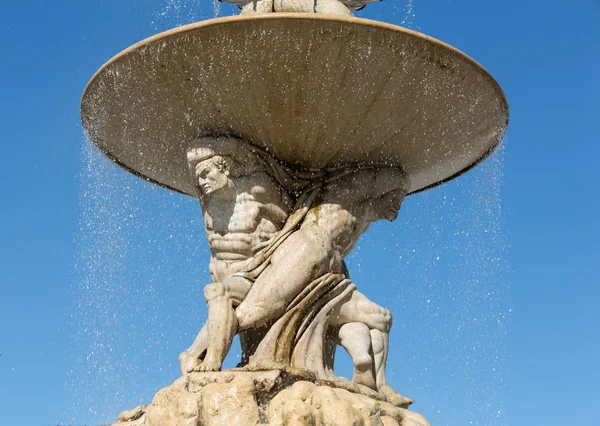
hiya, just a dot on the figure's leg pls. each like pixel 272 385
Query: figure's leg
pixel 360 309
pixel 296 263
pixel 258 6
pixel 356 339
pixel 380 342
pixel 190 359
pixel 379 320
pixel 222 325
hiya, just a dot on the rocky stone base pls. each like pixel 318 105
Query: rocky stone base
pixel 274 397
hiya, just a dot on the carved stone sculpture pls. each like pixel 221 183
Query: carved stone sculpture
pixel 244 208
pixel 315 126
pixel 331 7
pixel 260 268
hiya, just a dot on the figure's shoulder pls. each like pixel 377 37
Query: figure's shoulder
pixel 351 186
pixel 265 189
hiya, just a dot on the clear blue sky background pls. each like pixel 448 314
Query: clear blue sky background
pixel 493 279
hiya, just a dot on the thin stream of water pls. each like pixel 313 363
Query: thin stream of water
pixel 444 269
pixel 141 250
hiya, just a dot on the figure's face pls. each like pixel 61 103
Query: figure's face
pixel 211 178
pixel 387 206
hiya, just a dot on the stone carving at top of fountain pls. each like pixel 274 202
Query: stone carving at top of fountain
pixel 295 131
pixel 331 7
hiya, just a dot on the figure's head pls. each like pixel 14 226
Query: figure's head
pixel 215 161
pixel 212 174
pixel 394 183
pixel 387 206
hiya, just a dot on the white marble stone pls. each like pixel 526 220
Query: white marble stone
pixel 278 236
pixel 281 397
pixel 330 7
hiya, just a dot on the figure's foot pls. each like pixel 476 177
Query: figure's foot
pixel 209 364
pixel 365 378
pixel 394 397
pixel 189 362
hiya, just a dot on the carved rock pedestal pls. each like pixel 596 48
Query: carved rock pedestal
pixel 275 397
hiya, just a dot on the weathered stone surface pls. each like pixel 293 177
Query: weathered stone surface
pixel 297 413
pixel 368 408
pixel 173 406
pixel 134 414
pixel 333 410
pixel 282 397
pixel 388 421
pixel 230 403
pixel 298 392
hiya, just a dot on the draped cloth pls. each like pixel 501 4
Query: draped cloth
pixel 301 337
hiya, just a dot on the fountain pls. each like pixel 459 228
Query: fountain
pixel 296 125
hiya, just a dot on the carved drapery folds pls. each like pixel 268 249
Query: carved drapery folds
pixel 287 292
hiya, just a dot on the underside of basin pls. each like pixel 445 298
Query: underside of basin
pixel 315 91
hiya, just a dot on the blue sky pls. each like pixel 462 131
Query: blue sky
pixel 493 279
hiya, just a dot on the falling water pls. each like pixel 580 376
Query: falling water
pixel 142 265
pixel 141 249
pixel 175 13
pixel 409 14
pixel 446 269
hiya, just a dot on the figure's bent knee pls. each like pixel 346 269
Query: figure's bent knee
pixel 253 318
pixel 214 291
pixel 387 320
pixel 352 331
pixel 247 318
pixel 381 320
pixel 256 315
pixel 377 341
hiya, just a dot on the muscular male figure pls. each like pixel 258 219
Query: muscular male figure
pixel 243 209
pixel 344 210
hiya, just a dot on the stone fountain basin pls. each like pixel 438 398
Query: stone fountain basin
pixel 317 91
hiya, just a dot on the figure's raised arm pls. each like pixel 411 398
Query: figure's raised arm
pixel 388 179
pixel 275 202
pixel 369 183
